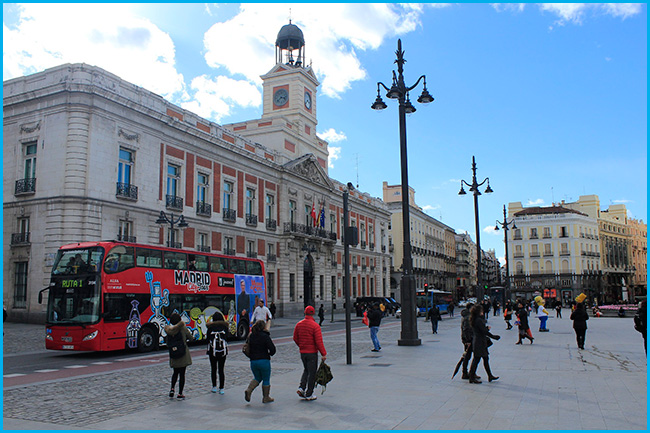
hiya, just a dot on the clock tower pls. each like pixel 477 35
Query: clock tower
pixel 288 122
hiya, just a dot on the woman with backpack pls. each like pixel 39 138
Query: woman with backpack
pixel 217 349
pixel 179 354
pixel 261 350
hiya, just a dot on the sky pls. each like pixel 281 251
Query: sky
pixel 551 99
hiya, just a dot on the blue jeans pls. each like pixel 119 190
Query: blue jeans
pixel 261 369
pixel 542 322
pixel 434 325
pixel 373 336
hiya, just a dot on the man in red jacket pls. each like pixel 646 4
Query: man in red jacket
pixel 308 337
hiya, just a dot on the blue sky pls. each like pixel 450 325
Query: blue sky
pixel 551 99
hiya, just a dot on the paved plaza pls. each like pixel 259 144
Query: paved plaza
pixel 549 385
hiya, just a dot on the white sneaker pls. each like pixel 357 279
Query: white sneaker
pixel 301 392
pixel 310 398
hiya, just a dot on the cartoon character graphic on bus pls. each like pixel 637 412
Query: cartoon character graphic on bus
pixel 134 326
pixel 159 299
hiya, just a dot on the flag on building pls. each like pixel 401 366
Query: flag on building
pixel 322 216
pixel 313 213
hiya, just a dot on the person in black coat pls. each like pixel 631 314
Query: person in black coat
pixel 641 323
pixel 434 316
pixel 507 314
pixel 217 358
pixel 580 317
pixel 480 343
pixel 524 329
pixel 261 350
pixel 466 336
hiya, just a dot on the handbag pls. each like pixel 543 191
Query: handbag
pixel 246 348
pixel 365 318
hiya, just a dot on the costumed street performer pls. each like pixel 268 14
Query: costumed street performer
pixel 542 314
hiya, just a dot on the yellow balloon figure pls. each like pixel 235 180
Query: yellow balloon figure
pixel 542 314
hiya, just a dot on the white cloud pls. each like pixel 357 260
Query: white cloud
pixel 622 201
pixel 335 153
pixel 537 202
pixel 332 136
pixel 110 36
pixel 490 230
pixel 212 99
pixel 333 33
pixel 575 12
pixel 430 208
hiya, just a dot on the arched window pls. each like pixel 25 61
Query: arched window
pixel 548 267
pixel 565 266
pixel 535 267
pixel 520 268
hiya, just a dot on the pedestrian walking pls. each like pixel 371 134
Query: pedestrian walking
pixel 272 309
pixel 307 335
pixel 580 317
pixel 261 350
pixel 522 319
pixel 262 313
pixel 434 315
pixel 450 309
pixel 177 336
pixel 641 323
pixel 217 350
pixel 374 320
pixel 321 315
pixel 480 342
pixel 466 337
pixel 497 307
pixel 558 309
pixel 507 314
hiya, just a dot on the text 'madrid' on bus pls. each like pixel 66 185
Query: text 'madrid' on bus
pixel 112 295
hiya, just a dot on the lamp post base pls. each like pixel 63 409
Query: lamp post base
pixel 409 342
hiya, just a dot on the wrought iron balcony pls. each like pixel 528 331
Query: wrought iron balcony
pixel 364 267
pixel 229 215
pixel 251 254
pixel 251 220
pixel 126 238
pixel 174 245
pixel 25 186
pixel 174 202
pixel 272 258
pixel 20 238
pixel 363 244
pixel 383 248
pixel 355 267
pixel 203 208
pixel 203 248
pixel 127 191
pixel 271 224
pixel 334 264
pixel 372 246
pixel 517 237
pixel 565 253
pixel 229 252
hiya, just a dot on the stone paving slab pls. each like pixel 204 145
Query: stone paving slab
pixel 549 385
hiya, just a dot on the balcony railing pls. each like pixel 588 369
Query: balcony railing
pixel 355 267
pixel 534 254
pixel 372 246
pixel 203 208
pixel 251 254
pixel 251 220
pixel 203 248
pixel 229 252
pixel 383 248
pixel 334 264
pixel 547 236
pixel 517 237
pixel 271 258
pixel 127 191
pixel 229 215
pixel 364 267
pixel 363 244
pixel 271 224
pixel 519 255
pixel 565 253
pixel 533 236
pixel 174 202
pixel 20 238
pixel 309 230
pixel 174 245
pixel 126 238
pixel 25 186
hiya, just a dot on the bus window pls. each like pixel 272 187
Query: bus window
pixel 118 259
pixel 218 264
pixel 253 268
pixel 237 266
pixel 201 263
pixel 118 306
pixel 175 260
pixel 148 258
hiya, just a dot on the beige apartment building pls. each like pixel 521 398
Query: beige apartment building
pixel 465 266
pixel 89 156
pixel 433 248
pixel 639 256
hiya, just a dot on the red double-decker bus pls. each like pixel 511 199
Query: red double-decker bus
pixel 112 295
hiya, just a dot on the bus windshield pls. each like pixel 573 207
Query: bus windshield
pixel 78 261
pixel 74 305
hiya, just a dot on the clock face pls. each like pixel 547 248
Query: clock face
pixel 280 97
pixel 307 100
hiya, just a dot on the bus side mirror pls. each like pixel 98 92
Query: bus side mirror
pixel 40 295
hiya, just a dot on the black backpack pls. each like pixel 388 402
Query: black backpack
pixel 218 346
pixel 176 345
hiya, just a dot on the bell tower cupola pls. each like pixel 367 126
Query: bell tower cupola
pixel 290 46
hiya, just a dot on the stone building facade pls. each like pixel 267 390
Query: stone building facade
pixel 89 156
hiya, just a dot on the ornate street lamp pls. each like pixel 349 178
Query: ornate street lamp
pixel 171 220
pixel 473 187
pixel 505 224
pixel 400 91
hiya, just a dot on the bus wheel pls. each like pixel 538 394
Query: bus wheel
pixel 146 340
pixel 242 330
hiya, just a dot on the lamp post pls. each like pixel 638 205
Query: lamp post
pixel 505 224
pixel 346 264
pixel 171 220
pixel 474 188
pixel 400 91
